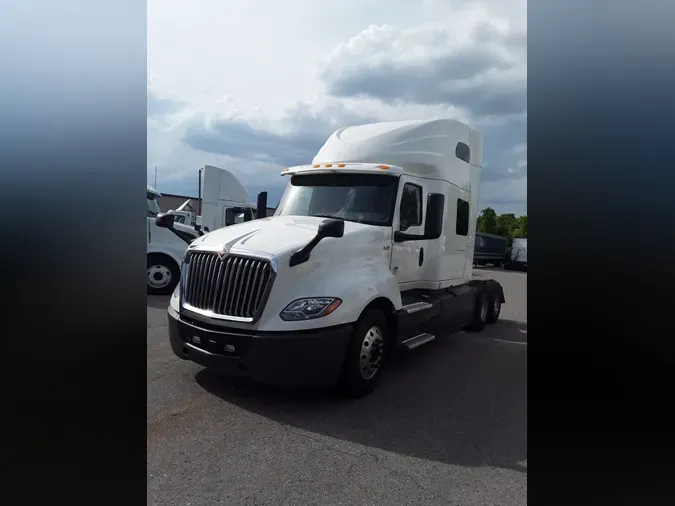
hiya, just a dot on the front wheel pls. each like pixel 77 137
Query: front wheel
pixel 163 274
pixel 365 355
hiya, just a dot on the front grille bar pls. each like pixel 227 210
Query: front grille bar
pixel 233 286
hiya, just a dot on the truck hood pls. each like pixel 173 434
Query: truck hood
pixel 274 235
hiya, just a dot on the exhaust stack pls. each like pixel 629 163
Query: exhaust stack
pixel 262 205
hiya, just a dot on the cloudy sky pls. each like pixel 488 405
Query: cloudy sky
pixel 254 86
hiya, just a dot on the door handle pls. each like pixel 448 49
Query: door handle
pixel 421 260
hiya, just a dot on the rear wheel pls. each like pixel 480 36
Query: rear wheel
pixel 480 313
pixel 162 276
pixel 494 308
pixel 365 355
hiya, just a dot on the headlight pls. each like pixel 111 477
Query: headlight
pixel 310 308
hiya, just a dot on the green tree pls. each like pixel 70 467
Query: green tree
pixel 487 221
pixel 506 224
pixel 520 227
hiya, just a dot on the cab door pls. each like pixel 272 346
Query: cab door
pixel 407 257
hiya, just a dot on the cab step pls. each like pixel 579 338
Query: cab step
pixel 416 306
pixel 418 340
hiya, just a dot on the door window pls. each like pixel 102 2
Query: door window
pixel 410 214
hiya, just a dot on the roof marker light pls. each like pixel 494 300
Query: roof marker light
pixel 316 165
pixel 329 165
pixel 383 167
pixel 340 164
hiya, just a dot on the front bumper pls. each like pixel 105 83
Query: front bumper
pixel 303 358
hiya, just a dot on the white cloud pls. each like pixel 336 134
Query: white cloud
pixel 477 63
pixel 519 149
pixel 509 195
pixel 232 87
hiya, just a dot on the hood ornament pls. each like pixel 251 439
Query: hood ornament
pixel 224 251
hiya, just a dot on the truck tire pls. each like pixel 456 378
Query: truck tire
pixel 365 355
pixel 163 274
pixel 494 308
pixel 480 313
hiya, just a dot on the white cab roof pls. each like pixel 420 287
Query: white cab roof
pixel 423 148
pixel 153 191
pixel 221 184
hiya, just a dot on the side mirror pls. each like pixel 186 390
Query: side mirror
pixel 165 220
pixel 433 228
pixel 331 228
pixel 327 228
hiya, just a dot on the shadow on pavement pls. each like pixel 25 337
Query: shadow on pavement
pixel 158 301
pixel 461 399
pixel 485 268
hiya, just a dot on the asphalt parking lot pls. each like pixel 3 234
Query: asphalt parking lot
pixel 447 425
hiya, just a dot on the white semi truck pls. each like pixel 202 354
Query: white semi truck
pixel 225 202
pixel 369 251
pixel 165 248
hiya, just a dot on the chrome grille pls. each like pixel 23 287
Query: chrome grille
pixel 234 286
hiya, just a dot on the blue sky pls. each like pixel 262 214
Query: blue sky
pixel 254 86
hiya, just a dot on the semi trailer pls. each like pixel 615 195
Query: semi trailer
pixel 489 249
pixel 369 252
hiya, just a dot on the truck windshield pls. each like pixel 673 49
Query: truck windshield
pixel 153 205
pixel 363 198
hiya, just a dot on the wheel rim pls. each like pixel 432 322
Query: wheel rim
pixel 372 348
pixel 159 276
pixel 483 310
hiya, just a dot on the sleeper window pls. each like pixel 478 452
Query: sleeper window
pixel 462 225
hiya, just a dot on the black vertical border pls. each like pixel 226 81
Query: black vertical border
pixel 72 175
pixel 601 112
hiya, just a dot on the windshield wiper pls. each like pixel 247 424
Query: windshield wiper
pixel 327 216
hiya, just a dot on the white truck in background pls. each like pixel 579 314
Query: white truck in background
pixel 369 251
pixel 518 257
pixel 225 202
pixel 165 248
pixel 186 214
